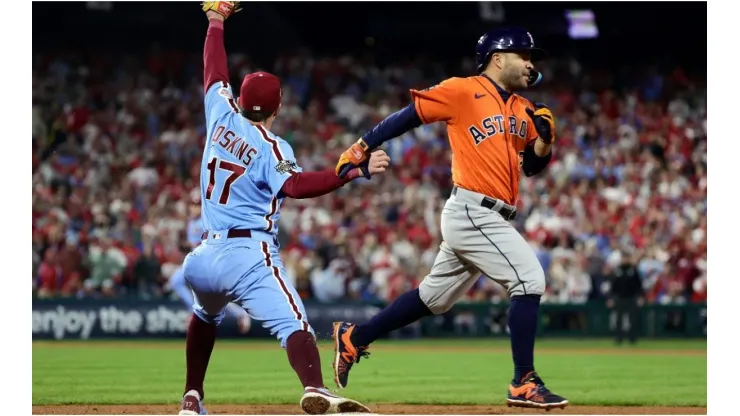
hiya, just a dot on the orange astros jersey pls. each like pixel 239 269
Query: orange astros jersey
pixel 487 135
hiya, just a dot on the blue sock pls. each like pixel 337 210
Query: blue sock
pixel 406 309
pixel 523 316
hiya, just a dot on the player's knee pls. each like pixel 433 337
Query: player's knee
pixel 209 319
pixel 436 302
pixel 440 307
pixel 535 283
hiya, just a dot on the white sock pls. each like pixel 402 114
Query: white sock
pixel 193 393
pixel 321 389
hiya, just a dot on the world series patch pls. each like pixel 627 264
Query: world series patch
pixel 286 166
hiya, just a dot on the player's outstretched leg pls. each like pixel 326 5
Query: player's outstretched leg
pixel 208 307
pixel 351 341
pixel 200 339
pixel 441 288
pixel 271 298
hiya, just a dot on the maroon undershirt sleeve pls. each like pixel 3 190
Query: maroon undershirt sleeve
pixel 214 55
pixel 313 184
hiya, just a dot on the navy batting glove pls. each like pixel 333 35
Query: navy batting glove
pixel 345 170
pixel 364 168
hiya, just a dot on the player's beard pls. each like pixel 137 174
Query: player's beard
pixel 512 78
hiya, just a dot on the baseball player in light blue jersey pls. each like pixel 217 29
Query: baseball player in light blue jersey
pixel 180 286
pixel 246 173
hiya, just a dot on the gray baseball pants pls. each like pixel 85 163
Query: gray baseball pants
pixel 478 240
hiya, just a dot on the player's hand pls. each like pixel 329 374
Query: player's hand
pixel 379 160
pixel 220 9
pixel 376 163
pixel 352 158
pixel 544 122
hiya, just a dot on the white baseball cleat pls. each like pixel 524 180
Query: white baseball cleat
pixel 318 401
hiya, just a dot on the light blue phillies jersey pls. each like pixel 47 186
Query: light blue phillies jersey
pixel 244 167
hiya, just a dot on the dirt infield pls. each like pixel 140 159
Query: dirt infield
pixel 388 409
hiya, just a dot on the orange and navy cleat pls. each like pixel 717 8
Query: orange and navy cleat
pixel 345 353
pixel 531 392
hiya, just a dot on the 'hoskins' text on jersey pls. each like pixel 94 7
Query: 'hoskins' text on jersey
pixel 234 144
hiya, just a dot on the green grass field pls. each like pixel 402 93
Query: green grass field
pixel 655 373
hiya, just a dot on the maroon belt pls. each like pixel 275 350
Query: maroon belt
pixel 233 233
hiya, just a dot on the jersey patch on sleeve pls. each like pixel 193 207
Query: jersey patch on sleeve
pixel 286 166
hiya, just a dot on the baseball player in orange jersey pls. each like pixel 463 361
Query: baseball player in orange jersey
pixel 494 134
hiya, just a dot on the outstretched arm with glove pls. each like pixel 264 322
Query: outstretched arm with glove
pixel 218 97
pixel 438 103
pixel 214 52
pixel 394 125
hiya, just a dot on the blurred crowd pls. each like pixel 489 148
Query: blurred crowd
pixel 117 141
